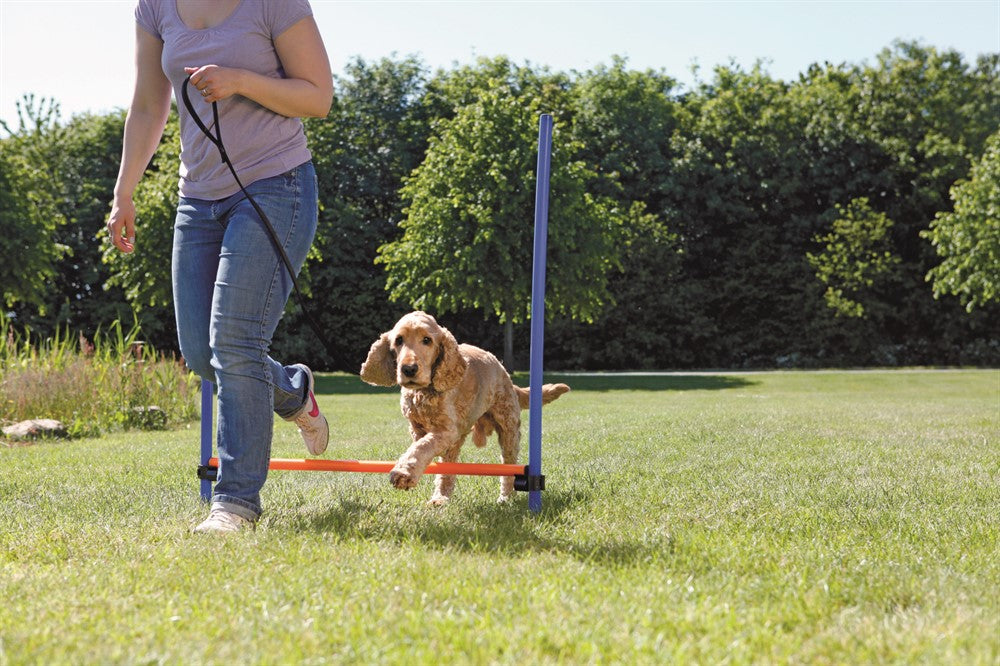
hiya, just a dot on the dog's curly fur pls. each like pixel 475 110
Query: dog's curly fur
pixel 447 391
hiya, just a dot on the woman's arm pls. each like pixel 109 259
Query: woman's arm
pixel 307 90
pixel 147 116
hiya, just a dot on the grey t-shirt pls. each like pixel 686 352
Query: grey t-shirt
pixel 260 143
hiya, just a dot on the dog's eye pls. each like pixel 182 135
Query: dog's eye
pixel 398 341
pixel 427 340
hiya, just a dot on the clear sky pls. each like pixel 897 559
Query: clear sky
pixel 80 52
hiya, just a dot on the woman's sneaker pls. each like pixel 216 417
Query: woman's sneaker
pixel 220 520
pixel 312 425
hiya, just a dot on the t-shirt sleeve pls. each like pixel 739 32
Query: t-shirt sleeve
pixel 147 16
pixel 283 14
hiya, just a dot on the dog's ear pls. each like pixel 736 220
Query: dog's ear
pixel 450 365
pixel 379 368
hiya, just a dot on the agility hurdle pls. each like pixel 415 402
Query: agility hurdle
pixel 528 477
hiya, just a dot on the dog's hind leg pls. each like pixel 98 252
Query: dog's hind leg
pixel 508 427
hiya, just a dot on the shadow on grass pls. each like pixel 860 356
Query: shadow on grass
pixel 639 382
pixel 351 384
pixel 508 530
pixel 341 384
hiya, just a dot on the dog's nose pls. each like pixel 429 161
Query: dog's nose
pixel 409 370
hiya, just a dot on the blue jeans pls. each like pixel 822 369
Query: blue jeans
pixel 230 288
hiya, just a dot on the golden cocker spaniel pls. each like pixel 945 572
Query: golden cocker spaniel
pixel 447 391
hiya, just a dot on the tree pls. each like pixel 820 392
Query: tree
pixel 968 237
pixel 450 91
pixel 144 275
pixel 29 213
pixel 467 235
pixel 375 134
pixel 89 153
pixel 623 121
pixel 854 256
pixel 74 166
pixel 736 200
pixel 930 112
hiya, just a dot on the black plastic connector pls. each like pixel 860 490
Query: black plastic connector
pixel 529 483
pixel 208 473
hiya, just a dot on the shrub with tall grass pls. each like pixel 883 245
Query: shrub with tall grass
pixel 92 387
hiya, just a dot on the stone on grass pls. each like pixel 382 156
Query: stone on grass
pixel 147 418
pixel 35 429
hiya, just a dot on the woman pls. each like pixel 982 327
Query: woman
pixel 264 62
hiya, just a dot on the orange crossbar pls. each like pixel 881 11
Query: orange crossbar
pixel 380 466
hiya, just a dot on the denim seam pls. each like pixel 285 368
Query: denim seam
pixel 296 189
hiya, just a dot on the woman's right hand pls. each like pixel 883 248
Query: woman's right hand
pixel 121 224
pixel 143 127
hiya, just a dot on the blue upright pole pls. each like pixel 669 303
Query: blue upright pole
pixel 538 307
pixel 207 403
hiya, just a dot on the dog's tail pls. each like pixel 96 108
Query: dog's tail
pixel 549 393
pixel 484 427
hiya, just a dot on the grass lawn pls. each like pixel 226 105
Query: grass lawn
pixel 828 517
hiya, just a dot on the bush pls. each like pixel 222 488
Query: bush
pixel 116 382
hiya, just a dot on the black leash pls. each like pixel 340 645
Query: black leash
pixel 335 354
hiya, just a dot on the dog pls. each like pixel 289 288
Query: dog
pixel 447 391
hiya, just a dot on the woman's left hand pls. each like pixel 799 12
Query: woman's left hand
pixel 215 83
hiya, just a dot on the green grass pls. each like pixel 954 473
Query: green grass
pixel 791 517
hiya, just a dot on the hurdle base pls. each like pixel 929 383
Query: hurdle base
pixel 529 483
pixel 208 473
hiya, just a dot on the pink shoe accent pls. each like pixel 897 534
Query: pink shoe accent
pixel 313 426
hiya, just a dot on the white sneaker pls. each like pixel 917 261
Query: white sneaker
pixel 220 520
pixel 312 425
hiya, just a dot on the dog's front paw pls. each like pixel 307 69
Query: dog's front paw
pixel 437 500
pixel 402 478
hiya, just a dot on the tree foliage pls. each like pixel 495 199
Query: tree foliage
pixel 968 237
pixel 374 135
pixel 144 275
pixel 708 227
pixel 854 256
pixel 29 205
pixel 467 236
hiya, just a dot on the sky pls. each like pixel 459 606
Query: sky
pixel 81 52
